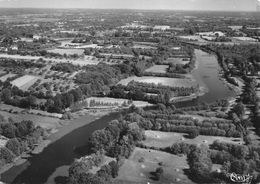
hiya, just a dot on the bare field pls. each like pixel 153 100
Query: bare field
pixel 25 82
pixel 165 139
pixel 173 82
pixel 134 171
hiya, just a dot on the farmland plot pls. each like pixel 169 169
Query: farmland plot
pixel 25 82
pixel 173 82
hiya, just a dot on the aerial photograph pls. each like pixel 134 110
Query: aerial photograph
pixel 129 91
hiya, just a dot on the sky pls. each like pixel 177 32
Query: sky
pixel 214 5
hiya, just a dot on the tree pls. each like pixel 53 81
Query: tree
pixel 6 155
pixel 6 95
pixel 193 133
pixel 158 173
pixel 75 171
pixel 200 163
pixel 9 130
pixel 239 166
pixel 24 128
pixel 14 146
pixel 114 169
pixel 247 140
pixel 239 109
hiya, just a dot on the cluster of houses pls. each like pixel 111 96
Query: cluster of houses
pixel 13 46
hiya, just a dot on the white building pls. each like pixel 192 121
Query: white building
pixel 14 47
pixel 36 37
pixel 162 28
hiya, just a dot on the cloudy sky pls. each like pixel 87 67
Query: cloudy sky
pixel 233 5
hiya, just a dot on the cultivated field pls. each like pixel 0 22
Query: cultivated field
pixel 158 69
pixel 25 82
pixel 165 139
pixel 136 171
pixel 173 82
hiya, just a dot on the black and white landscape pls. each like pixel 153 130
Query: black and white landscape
pixel 113 92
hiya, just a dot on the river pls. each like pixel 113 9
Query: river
pixel 60 153
pixel 55 159
pixel 207 75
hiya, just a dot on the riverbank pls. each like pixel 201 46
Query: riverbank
pixel 202 91
pixel 23 158
pixel 80 119
pixel 61 151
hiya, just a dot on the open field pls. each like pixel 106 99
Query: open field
pixel 5 77
pixel 67 51
pixel 158 69
pixel 134 171
pixel 173 82
pixel 165 139
pixel 25 81
pixel 42 121
pixel 181 61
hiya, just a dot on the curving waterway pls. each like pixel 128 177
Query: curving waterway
pixel 207 75
pixel 55 159
pixel 39 168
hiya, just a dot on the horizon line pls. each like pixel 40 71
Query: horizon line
pixel 163 9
